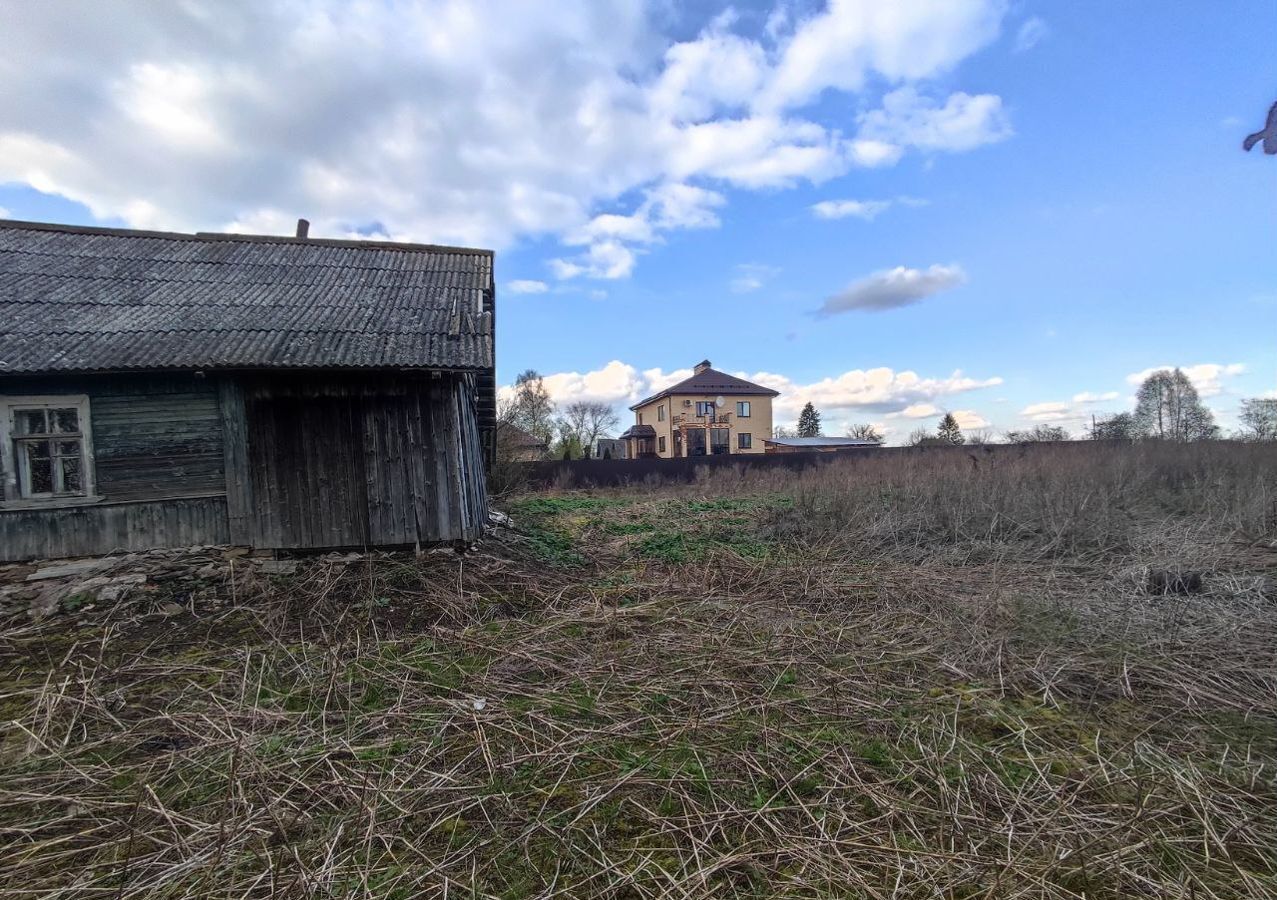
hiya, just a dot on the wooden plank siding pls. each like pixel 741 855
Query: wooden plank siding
pixel 270 460
pixel 112 527
pixel 154 436
pixel 305 456
pixel 350 461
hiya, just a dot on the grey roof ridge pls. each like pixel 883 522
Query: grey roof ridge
pixel 673 390
pixel 19 224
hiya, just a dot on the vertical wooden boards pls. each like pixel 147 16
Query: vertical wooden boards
pixel 387 460
pixel 311 460
pixel 306 457
pixel 111 527
pixel 239 486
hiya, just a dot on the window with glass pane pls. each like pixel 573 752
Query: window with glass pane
pixel 742 409
pixel 48 449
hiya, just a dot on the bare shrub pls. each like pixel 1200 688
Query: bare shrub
pixel 1051 500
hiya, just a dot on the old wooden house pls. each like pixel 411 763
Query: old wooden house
pixel 161 390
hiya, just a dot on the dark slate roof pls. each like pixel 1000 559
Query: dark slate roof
pixel 101 299
pixel 638 431
pixel 710 381
pixel 821 442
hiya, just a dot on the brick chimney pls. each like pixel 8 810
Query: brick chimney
pixel 303 228
pixel 701 366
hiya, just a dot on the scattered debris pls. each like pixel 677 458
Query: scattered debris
pixel 1164 582
pixel 344 559
pixel 498 519
pixel 68 568
pixel 44 587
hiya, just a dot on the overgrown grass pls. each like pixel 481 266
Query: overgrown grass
pixel 880 702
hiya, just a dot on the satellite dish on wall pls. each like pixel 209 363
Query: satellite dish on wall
pixel 719 401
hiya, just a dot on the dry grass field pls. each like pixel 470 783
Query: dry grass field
pixel 1045 674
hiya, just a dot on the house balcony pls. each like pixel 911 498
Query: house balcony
pixel 688 420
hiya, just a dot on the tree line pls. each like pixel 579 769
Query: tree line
pixel 569 432
pixel 1167 407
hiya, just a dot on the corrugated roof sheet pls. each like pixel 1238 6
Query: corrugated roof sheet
pixel 98 299
pixel 821 442
pixel 711 382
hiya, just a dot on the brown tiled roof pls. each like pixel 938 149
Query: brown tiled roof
pixel 76 299
pixel 710 381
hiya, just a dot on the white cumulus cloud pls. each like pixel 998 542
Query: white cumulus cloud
pixel 893 288
pixel 963 122
pixel 453 122
pixel 1090 397
pixel 1208 378
pixel 841 209
pixel 860 209
pixel 916 411
pixel 970 420
pixel 527 286
pixel 1050 411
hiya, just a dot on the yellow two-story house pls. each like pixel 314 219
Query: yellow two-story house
pixel 710 413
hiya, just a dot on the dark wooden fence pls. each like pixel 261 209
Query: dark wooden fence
pixel 618 472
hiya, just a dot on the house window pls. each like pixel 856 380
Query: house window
pixel 660 443
pixel 742 409
pixel 704 407
pixel 660 414
pixel 744 440
pixel 640 418
pixel 48 448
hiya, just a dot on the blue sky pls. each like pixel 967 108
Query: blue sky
pixel 1024 204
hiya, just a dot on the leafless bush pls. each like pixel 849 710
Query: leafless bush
pixel 1041 502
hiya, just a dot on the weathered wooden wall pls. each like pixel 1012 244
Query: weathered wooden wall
pixel 109 527
pixel 158 466
pixel 270 460
pixel 154 436
pixel 342 460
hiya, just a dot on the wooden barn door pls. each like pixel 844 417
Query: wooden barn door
pixel 392 450
pixel 306 463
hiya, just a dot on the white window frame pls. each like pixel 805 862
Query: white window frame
pixel 12 496
pixel 742 409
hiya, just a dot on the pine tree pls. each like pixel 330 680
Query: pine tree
pixel 948 431
pixel 809 421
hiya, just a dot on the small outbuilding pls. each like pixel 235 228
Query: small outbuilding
pixel 816 444
pixel 162 390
